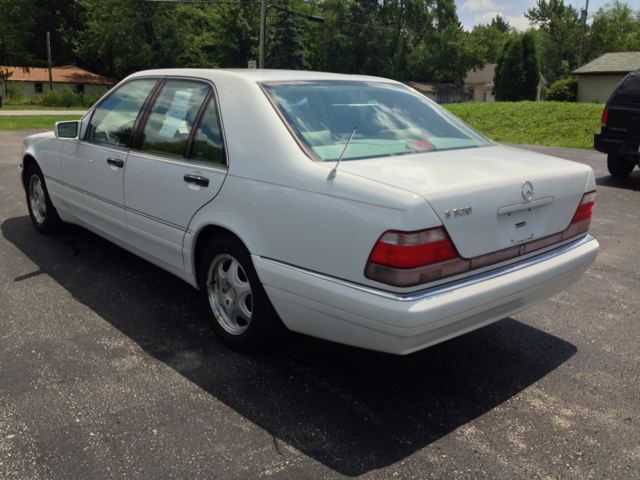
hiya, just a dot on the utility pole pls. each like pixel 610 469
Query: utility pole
pixel 49 56
pixel 263 32
pixel 584 27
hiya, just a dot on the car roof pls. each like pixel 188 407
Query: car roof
pixel 259 75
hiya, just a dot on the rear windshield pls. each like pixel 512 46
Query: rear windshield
pixel 389 120
pixel 629 91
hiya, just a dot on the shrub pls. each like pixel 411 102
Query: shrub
pixel 17 92
pixel 67 98
pixel 565 90
pixel 49 99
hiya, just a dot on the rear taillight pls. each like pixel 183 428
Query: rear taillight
pixel 585 208
pixel 404 259
pixel 412 249
pixel 603 120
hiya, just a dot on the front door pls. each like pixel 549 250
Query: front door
pixel 93 168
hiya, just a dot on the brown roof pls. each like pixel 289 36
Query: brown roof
pixel 68 74
pixel 483 76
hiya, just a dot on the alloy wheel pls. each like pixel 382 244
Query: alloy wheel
pixel 229 294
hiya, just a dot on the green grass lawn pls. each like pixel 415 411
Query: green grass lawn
pixel 26 122
pixel 557 124
pixel 36 107
pixel 538 123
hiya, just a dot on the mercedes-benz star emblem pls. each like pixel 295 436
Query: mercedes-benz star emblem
pixel 523 250
pixel 527 191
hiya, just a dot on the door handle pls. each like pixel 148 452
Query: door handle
pixel 116 162
pixel 196 180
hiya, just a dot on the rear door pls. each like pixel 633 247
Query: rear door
pixel 178 166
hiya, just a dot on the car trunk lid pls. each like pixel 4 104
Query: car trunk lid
pixel 479 193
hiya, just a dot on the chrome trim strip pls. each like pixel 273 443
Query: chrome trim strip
pixel 177 227
pixel 523 206
pixel 441 289
pixel 180 162
pixel 85 192
pixel 117 205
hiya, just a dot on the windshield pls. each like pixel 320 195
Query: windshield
pixel 389 119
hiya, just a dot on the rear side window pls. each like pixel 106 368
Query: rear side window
pixel 208 146
pixel 172 117
pixel 629 91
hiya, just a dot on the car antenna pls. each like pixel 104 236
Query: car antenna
pixel 333 172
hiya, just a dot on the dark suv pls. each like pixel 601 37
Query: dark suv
pixel 620 134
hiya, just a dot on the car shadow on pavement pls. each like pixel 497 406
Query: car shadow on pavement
pixel 632 182
pixel 350 409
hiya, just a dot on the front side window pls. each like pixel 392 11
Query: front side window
pixel 113 120
pixel 389 119
pixel 172 117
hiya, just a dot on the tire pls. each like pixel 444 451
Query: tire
pixel 619 166
pixel 237 305
pixel 43 214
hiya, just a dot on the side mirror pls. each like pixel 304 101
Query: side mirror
pixel 66 129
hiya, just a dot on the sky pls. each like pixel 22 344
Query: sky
pixel 473 12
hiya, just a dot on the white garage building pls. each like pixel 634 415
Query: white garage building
pixel 597 79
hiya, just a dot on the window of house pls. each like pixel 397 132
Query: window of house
pixel 80 88
pixel 39 88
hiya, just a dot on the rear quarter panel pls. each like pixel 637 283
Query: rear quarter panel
pixel 281 203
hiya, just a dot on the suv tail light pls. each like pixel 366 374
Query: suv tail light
pixel 585 208
pixel 603 120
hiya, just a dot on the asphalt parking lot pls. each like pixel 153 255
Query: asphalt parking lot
pixel 109 370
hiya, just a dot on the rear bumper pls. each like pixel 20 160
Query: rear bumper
pixel 616 146
pixel 353 314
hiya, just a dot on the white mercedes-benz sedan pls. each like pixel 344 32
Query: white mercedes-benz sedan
pixel 349 208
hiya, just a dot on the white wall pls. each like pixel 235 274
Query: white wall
pixel 597 88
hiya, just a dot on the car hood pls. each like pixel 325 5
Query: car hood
pixel 487 182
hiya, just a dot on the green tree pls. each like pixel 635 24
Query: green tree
pixel 530 68
pixel 511 75
pixel 236 36
pixel 558 35
pixel 16 29
pixel 491 38
pixel 401 39
pixel 64 20
pixel 498 76
pixel 125 36
pixel 615 28
pixel 499 23
pixel 286 47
